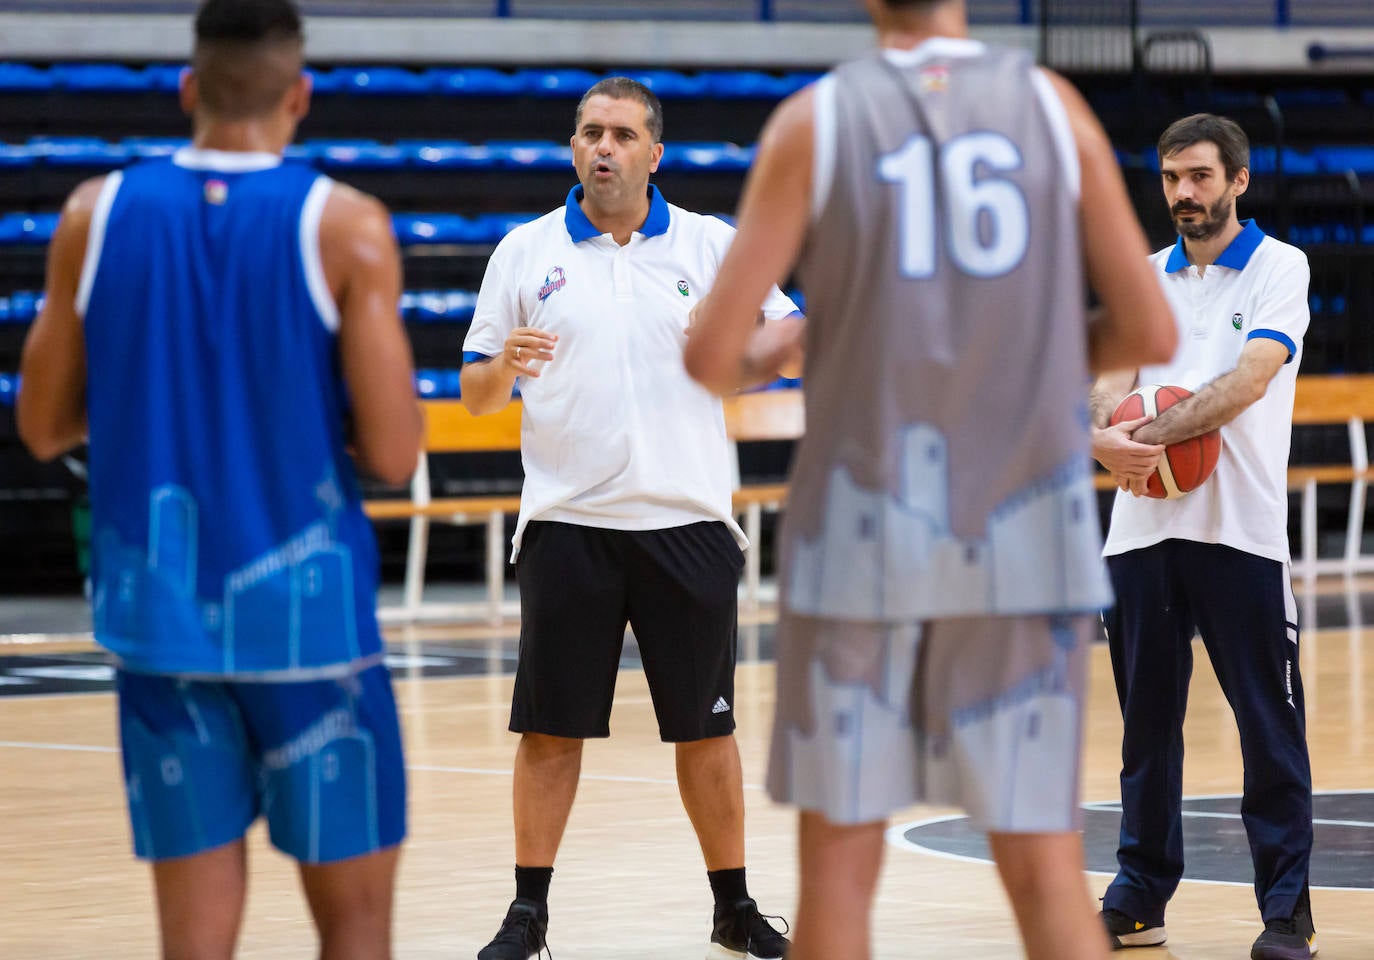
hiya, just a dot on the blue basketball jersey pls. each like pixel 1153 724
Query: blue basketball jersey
pixel 228 536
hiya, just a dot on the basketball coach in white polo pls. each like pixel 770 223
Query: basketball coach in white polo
pixel 1216 560
pixel 625 513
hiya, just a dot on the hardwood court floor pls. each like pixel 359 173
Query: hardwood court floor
pixel 629 882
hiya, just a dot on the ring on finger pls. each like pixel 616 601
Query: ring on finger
pixel 517 353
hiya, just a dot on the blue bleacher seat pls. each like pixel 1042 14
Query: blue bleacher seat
pixel 141 148
pixel 9 386
pixel 437 384
pixel 707 156
pixel 23 77
pixel 23 306
pixel 20 307
pixel 164 77
pixel 99 155
pixel 531 155
pixel 426 384
pixel 26 229
pixel 670 84
pixel 557 83
pixel 384 80
pixel 1295 163
pixel 11 228
pixel 476 82
pixel 414 229
pixel 745 84
pixel 438 306
pixel 793 82
pixel 356 155
pixel 325 81
pixel 379 81
pixel 15 157
pixel 99 78
pixel 449 156
pixel 89 152
pixel 1340 159
pixel 496 225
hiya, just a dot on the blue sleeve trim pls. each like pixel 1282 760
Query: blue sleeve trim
pixel 1282 338
pixel 472 357
pixel 795 315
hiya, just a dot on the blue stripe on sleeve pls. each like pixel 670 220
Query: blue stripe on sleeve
pixel 473 357
pixel 1282 338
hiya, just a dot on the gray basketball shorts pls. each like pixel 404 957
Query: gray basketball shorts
pixel 984 713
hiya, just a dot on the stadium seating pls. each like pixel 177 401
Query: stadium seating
pixel 389 81
pixel 465 153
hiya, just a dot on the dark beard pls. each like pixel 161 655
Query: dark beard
pixel 1212 223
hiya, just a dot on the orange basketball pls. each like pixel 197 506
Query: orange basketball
pixel 1186 464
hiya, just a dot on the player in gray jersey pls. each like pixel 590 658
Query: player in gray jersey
pixel 944 202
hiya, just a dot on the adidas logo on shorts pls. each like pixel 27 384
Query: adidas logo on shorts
pixel 721 706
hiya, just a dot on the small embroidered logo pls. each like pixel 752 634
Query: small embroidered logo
pixel 554 281
pixel 1237 320
pixel 721 706
pixel 934 79
pixel 682 288
pixel 216 192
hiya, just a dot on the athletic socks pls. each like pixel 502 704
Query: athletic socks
pixel 728 886
pixel 532 883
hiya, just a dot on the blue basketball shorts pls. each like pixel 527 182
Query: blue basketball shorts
pixel 320 760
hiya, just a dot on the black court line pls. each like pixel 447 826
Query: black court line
pixel 31 675
pixel 49 674
pixel 1214 843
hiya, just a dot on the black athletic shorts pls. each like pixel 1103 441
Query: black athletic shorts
pixel 579 586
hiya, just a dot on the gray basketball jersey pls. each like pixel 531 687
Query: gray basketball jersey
pixel 945 468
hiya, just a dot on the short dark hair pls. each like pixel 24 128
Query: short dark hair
pixel 1231 141
pixel 623 88
pixel 247 54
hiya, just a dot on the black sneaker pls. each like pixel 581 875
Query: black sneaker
pixel 1291 938
pixel 1124 931
pixel 521 935
pixel 740 932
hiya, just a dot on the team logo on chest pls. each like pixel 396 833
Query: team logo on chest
pixel 554 281
pixel 1237 320
pixel 682 288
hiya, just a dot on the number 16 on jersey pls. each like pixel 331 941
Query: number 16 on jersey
pixel 985 222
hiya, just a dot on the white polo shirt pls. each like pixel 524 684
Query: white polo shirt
pixel 614 433
pixel 1256 288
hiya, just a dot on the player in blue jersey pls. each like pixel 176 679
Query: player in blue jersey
pixel 222 327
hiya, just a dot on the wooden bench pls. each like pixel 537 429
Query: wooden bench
pixel 1327 401
pixel 449 428
pixel 771 415
pixel 779 415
